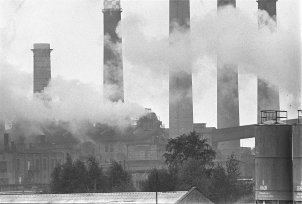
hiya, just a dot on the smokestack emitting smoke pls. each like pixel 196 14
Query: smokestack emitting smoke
pixel 180 82
pixel 256 52
pixel 267 93
pixel 6 142
pixel 113 62
pixel 227 93
pixel 42 67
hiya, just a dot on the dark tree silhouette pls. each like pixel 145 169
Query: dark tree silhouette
pixel 97 181
pixel 119 179
pixel 186 147
pixel 159 180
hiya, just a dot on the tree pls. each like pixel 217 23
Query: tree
pixel 233 174
pixel 118 178
pixel 76 177
pixel 97 181
pixel 194 173
pixel 79 177
pixel 159 180
pixel 219 185
pixel 186 147
pixel 191 161
pixel 56 180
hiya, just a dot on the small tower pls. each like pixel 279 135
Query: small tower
pixel 42 66
pixel 113 63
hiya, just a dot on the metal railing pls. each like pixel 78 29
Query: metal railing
pixel 272 117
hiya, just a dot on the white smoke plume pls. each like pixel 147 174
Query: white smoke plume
pixel 70 100
pixel 234 36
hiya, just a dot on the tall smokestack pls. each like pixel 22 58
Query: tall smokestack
pixel 113 62
pixel 268 95
pixel 227 94
pixel 180 82
pixel 42 68
pixel 6 142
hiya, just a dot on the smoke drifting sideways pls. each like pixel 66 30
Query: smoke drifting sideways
pixel 66 106
pixel 272 56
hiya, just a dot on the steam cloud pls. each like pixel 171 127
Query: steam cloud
pixel 273 56
pixel 231 34
pixel 70 100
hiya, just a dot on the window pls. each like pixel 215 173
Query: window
pixel 3 181
pixel 106 147
pixel 111 147
pixel 3 167
pixel 18 164
pixel 44 164
pixel 38 164
pixel 52 164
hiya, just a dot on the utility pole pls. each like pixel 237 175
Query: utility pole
pixel 156 180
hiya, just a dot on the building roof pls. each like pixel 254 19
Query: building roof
pixel 102 198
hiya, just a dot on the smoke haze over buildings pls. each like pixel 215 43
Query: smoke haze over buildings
pixel 147 55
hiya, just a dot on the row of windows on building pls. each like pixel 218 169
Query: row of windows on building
pixel 32 164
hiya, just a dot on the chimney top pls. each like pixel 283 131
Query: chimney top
pixel 42 46
pixel 112 5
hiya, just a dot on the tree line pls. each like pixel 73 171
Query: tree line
pixel 88 177
pixel 190 162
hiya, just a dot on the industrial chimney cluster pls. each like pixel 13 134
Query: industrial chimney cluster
pixel 278 147
pixel 180 82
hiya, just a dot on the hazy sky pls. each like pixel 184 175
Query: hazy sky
pixel 74 28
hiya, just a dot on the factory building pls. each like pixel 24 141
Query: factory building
pixel 227 95
pixel 113 82
pixel 267 94
pixel 28 166
pixel 138 152
pixel 180 81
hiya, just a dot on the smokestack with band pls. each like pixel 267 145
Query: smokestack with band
pixel 42 67
pixel 227 94
pixel 268 94
pixel 180 82
pixel 113 63
pixel 6 142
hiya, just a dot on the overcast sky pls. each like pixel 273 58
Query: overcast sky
pixel 74 28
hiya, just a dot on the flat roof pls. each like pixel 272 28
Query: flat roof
pixel 122 197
